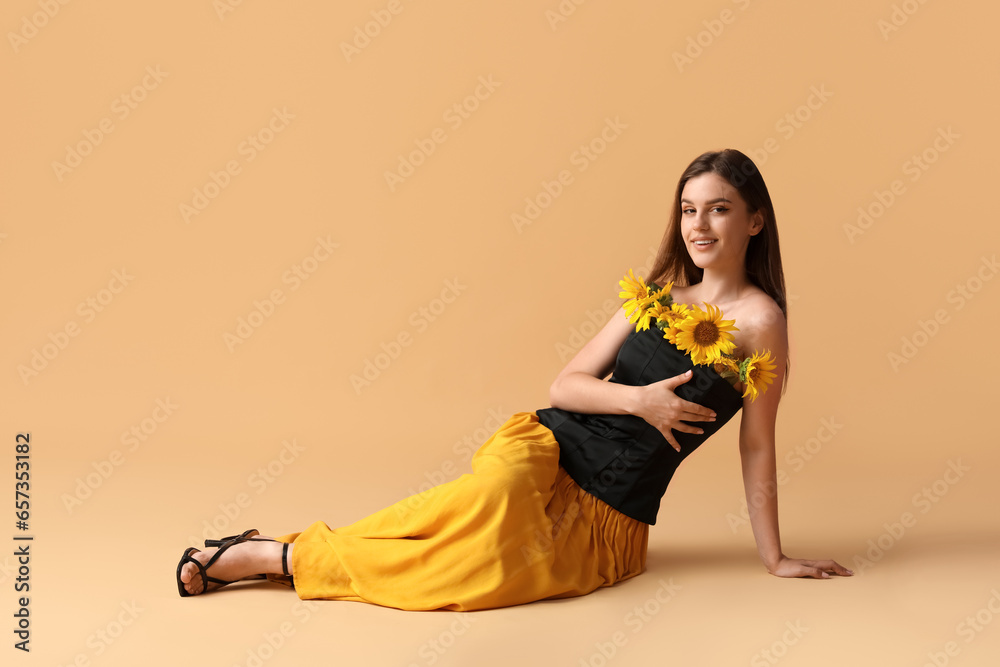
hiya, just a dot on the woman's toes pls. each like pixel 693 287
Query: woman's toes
pixel 191 575
pixel 187 574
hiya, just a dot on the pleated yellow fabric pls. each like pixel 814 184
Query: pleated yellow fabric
pixel 515 530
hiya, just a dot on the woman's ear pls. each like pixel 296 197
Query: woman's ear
pixel 757 222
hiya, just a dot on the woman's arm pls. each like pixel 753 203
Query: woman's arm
pixel 580 386
pixel 757 454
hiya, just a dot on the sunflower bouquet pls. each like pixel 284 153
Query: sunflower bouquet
pixel 702 334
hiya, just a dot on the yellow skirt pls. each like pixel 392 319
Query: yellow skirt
pixel 515 530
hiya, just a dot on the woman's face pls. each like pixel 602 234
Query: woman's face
pixel 715 224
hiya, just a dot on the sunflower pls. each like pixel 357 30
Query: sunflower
pixel 705 335
pixel 654 312
pixel 755 373
pixel 639 297
pixel 727 366
pixel 663 293
pixel 677 313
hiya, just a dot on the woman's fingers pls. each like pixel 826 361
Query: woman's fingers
pixel 669 412
pixel 695 412
pixel 803 569
pixel 816 569
pixel 670 438
pixel 667 427
pixel 677 380
pixel 823 568
pixel 835 567
pixel 687 428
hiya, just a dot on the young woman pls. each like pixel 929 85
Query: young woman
pixel 560 500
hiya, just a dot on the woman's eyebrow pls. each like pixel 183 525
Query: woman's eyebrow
pixel 710 201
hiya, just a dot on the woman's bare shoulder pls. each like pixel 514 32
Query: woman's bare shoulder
pixel 761 321
pixel 763 308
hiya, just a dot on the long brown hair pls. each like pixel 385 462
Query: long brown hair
pixel 763 258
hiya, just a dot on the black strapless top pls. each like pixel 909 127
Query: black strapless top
pixel 622 459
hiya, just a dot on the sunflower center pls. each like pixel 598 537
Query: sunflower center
pixel 706 333
pixel 752 373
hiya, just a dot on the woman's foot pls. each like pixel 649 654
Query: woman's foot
pixel 237 562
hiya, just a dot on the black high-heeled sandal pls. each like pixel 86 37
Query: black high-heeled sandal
pixel 225 544
pixel 221 541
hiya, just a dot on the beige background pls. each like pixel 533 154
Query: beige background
pixel 329 126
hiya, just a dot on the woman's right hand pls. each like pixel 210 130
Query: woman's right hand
pixel 665 410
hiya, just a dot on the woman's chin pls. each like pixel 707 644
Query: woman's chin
pixel 713 262
pixel 702 262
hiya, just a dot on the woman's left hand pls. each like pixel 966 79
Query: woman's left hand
pixel 817 569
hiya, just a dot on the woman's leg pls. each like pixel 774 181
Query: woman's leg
pixel 461 545
pixel 238 561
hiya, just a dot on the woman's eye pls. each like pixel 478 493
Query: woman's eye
pixel 689 211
